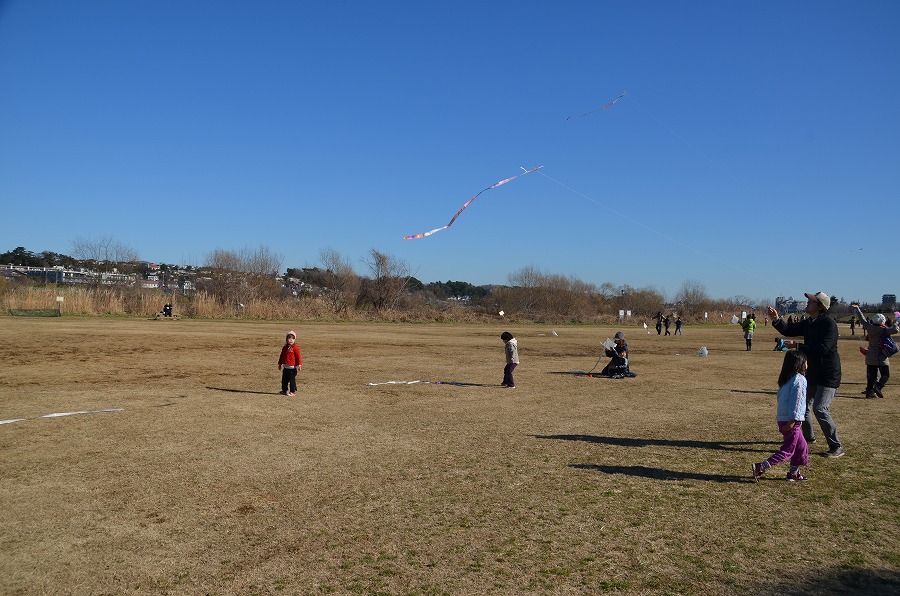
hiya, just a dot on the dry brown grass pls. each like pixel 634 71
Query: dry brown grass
pixel 208 482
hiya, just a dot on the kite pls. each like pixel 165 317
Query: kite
pixel 457 383
pixel 60 414
pixel 609 105
pixel 469 202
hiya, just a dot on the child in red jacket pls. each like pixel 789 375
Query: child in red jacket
pixel 289 363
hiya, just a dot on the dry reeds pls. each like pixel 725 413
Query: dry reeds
pixel 415 308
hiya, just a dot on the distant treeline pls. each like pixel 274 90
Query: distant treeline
pixel 247 284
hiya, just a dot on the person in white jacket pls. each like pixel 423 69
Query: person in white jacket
pixel 876 362
pixel 512 359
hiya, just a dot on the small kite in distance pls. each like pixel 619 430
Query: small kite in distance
pixel 609 105
pixel 469 202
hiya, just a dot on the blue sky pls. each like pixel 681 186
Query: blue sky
pixel 756 151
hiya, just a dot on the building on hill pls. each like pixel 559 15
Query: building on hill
pixel 889 299
pixel 789 305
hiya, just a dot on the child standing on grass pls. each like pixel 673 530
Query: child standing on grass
pixel 749 325
pixel 289 363
pixel 512 359
pixel 790 415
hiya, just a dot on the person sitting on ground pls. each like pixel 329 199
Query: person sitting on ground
pixel 779 345
pixel 618 364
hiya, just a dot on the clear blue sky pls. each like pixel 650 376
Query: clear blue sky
pixel 756 151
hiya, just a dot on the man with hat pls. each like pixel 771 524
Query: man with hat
pixel 820 336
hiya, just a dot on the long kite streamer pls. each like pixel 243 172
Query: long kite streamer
pixel 469 202
pixel 609 105
pixel 457 383
pixel 61 414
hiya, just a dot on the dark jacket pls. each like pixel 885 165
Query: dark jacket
pixel 820 337
pixel 619 363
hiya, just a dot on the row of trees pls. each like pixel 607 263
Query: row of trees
pixel 388 285
pixel 238 278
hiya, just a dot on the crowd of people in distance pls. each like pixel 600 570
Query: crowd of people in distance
pixel 665 321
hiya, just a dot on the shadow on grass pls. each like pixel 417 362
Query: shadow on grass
pixel 661 474
pixel 637 442
pixel 766 392
pixel 838 581
pixel 242 391
pixel 757 391
pixel 852 395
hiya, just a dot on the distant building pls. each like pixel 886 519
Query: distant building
pixel 789 305
pixel 176 279
pixel 889 299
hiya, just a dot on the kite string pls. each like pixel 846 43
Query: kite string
pixel 686 142
pixel 662 235
pixel 596 364
pixel 718 166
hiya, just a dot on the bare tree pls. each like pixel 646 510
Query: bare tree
pixel 644 301
pixel 262 262
pixel 224 260
pixel 223 278
pixel 342 282
pixel 692 296
pixel 261 267
pixel 527 277
pixel 609 290
pixel 390 277
pixel 238 277
pixel 104 252
pixel 742 301
pixel 549 297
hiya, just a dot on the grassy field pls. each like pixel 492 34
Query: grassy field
pixel 210 483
